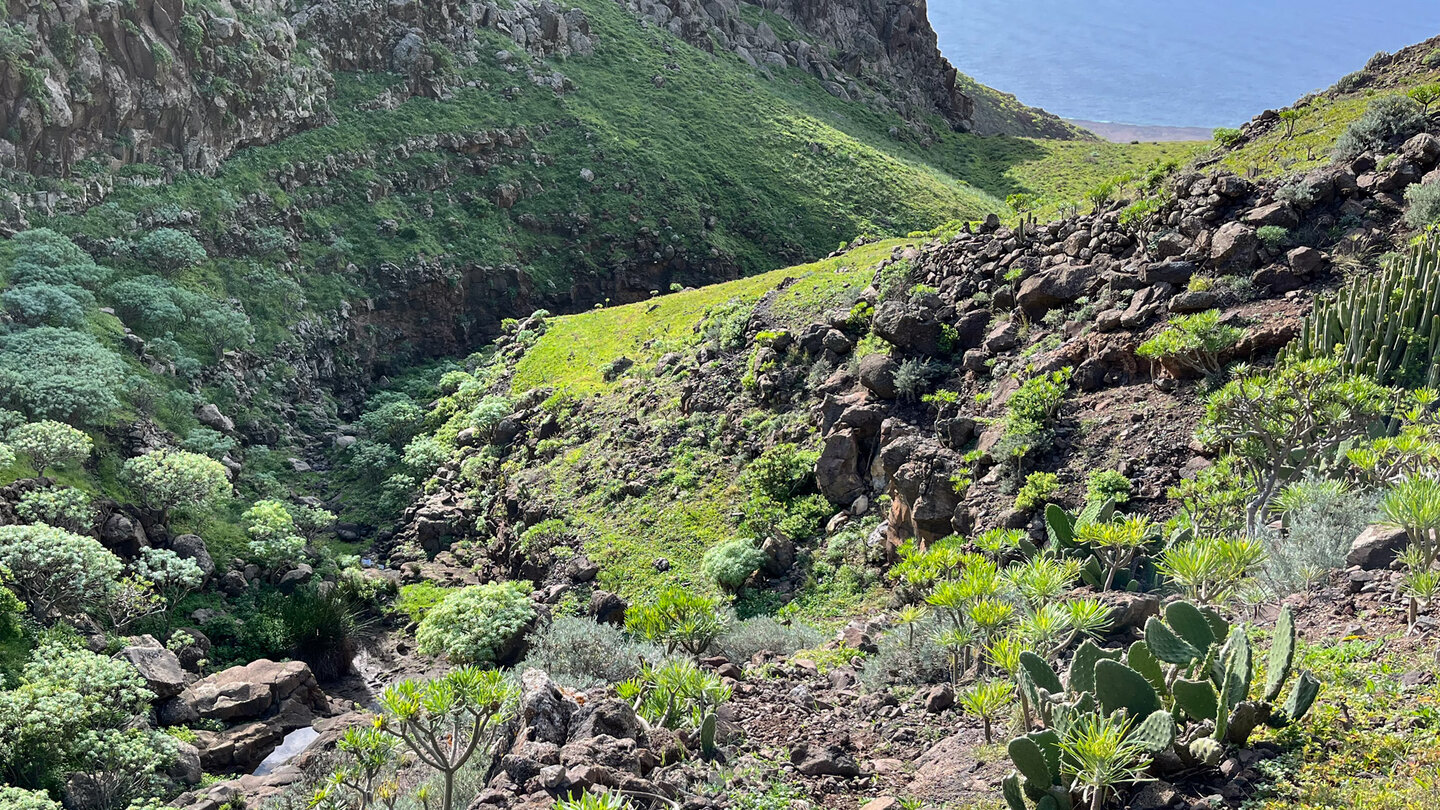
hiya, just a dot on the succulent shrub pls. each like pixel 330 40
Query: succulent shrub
pixel 54 570
pixel 1194 342
pixel 49 444
pixel 170 479
pixel 732 562
pixel 680 619
pixel 478 624
pixel 1184 689
pixel 675 694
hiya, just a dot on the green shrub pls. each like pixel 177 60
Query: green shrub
pixel 274 537
pixel 48 304
pixel 151 304
pixel 13 798
pixel 680 619
pixel 1385 119
pixel 208 442
pixel 49 444
pixel 1422 205
pixel 1273 237
pixel 65 508
pixel 323 630
pixel 743 639
pixel 913 377
pixel 1320 519
pixel 578 652
pixel 425 454
pixel 417 599
pixel 170 251
pixel 1227 137
pixel 1194 342
pixel 780 472
pixel 52 373
pixel 478 624
pixel 42 256
pixel 171 479
pixel 54 570
pixel 730 563
pixel 1432 59
pixel 1038 489
pixel 393 420
pixel 674 694
pixel 1029 412
pixel 1104 485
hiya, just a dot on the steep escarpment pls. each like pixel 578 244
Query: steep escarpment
pixel 151 81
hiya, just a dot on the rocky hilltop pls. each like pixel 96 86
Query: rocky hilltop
pixel 163 81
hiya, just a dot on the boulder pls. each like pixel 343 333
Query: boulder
pixel 1276 213
pixel 192 547
pixel 1194 301
pixel 123 536
pixel 823 760
pixel 256 690
pixel 210 416
pixel 607 608
pixel 1177 273
pixel 1235 246
pixel 158 666
pixel 1306 260
pixel 912 328
pixel 1043 292
pixel 1376 547
pixel 837 473
pixel 877 373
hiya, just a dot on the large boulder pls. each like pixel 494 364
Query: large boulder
pixel 910 327
pixel 158 666
pixel 258 689
pixel 1377 547
pixel 1055 287
pixel 877 374
pixel 192 547
pixel 1235 246
pixel 837 473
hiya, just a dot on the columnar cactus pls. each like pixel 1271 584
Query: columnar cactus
pixel 1386 324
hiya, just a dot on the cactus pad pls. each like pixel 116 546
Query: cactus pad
pixel 1081 677
pixel 1120 687
pixel 1156 732
pixel 1167 646
pixel 1140 659
pixel 1301 697
pixel 1207 750
pixel 1196 698
pixel 1040 672
pixel 1010 789
pixel 1282 654
pixel 1189 623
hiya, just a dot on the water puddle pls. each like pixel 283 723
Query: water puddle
pixel 294 742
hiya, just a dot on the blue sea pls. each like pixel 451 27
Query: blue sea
pixel 1204 63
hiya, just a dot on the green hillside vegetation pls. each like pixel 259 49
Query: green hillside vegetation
pixel 1319 120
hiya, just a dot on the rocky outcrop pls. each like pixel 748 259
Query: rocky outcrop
pixel 152 80
pixel 260 703
pixel 881 52
pixel 563 743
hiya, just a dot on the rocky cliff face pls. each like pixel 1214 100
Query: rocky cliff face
pixel 150 80
pixel 158 81
pixel 883 52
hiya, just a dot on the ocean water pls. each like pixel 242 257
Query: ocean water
pixel 1203 63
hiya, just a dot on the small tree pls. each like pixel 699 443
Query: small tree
pixel 170 479
pixel 1425 95
pixel 988 700
pixel 1295 418
pixel 54 570
pixel 1289 118
pixel 49 444
pixel 444 722
pixel 1193 342
pixel 170 251
pixel 274 537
